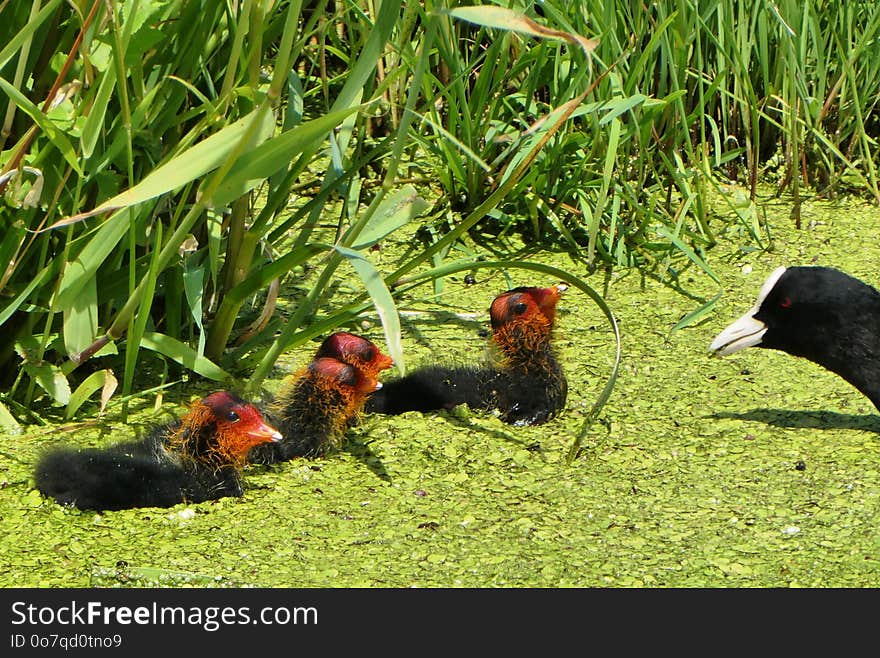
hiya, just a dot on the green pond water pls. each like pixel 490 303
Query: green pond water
pixel 758 469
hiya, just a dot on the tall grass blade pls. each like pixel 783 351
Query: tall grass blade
pixel 382 300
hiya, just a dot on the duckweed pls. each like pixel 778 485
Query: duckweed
pixel 692 477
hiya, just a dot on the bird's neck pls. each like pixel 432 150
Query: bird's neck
pixel 859 365
pixel 854 354
pixel 199 439
pixel 526 345
pixel 317 408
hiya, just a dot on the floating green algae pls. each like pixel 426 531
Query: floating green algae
pixel 758 469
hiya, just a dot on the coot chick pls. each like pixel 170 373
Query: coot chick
pixel 314 408
pixel 193 459
pixel 524 383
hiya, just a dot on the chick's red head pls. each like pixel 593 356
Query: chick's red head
pixel 240 425
pixel 355 351
pixel 343 376
pixel 525 302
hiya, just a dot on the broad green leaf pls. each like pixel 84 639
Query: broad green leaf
pixel 28 347
pixel 140 27
pixel 184 355
pixel 193 163
pixel 51 379
pixel 353 196
pixel 255 166
pixel 396 210
pixel 382 300
pixel 193 287
pixel 102 380
pixel 81 319
pixel 7 421
pixel 82 269
pixel 293 111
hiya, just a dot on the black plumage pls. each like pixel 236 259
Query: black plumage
pixel 134 474
pixel 193 459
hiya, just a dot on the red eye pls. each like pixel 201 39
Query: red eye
pixel 785 302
